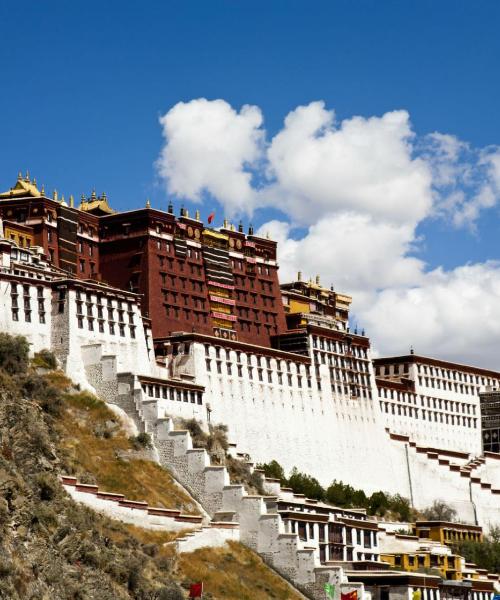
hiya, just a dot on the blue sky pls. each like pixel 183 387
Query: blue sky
pixel 85 83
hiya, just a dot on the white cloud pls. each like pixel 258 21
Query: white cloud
pixel 357 189
pixel 451 314
pixel 361 165
pixel 209 148
pixel 352 251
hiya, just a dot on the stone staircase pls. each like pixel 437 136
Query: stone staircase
pixel 261 527
pixel 230 507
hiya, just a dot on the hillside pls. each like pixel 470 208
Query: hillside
pixel 53 548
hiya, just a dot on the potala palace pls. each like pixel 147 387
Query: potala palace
pixel 167 317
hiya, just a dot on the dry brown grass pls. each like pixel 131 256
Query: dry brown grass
pixel 233 572
pixel 92 455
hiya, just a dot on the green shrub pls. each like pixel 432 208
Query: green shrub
pixel 48 397
pixel 48 486
pixel 14 351
pixel 45 359
pixel 143 440
pixel 199 437
pixel 486 554
pixel 273 470
pixel 301 483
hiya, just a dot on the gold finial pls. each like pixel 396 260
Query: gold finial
pixel 299 276
pixel 197 215
pixel 317 279
pixel 231 227
pixel 34 181
pixel 225 224
pixel 93 195
pixel 43 189
pixel 62 197
pixel 19 176
pixel 186 214
pixel 63 203
pixel 27 178
pixel 71 201
pixel 148 203
pixel 54 195
pixel 83 199
pixel 104 197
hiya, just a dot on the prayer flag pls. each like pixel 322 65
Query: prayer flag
pixel 196 590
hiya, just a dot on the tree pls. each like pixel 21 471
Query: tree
pixel 305 484
pixel 339 494
pixel 486 554
pixel 14 351
pixel 440 511
pixel 378 504
pixel 274 470
pixel 401 506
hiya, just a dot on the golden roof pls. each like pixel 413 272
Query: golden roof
pixel 23 188
pixel 96 205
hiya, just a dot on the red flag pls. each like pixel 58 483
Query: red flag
pixel 349 596
pixel 196 590
pixel 211 217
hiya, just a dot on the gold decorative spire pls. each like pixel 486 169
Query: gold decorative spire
pixel 197 215
pixel 54 195
pixel 27 178
pixel 43 189
pixel 148 203
pixel 19 176
pixel 186 214
pixel 23 188
pixel 225 224
pixel 93 196
pixel 71 201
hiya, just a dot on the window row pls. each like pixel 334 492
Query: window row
pixel 170 393
pixel 429 415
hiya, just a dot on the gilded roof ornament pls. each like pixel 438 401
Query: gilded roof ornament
pixel 148 203
pixel 22 189
pixel 96 205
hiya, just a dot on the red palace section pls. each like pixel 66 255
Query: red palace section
pixel 191 277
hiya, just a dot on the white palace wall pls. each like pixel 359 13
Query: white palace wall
pixel 322 433
pixel 443 410
pixel 28 322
